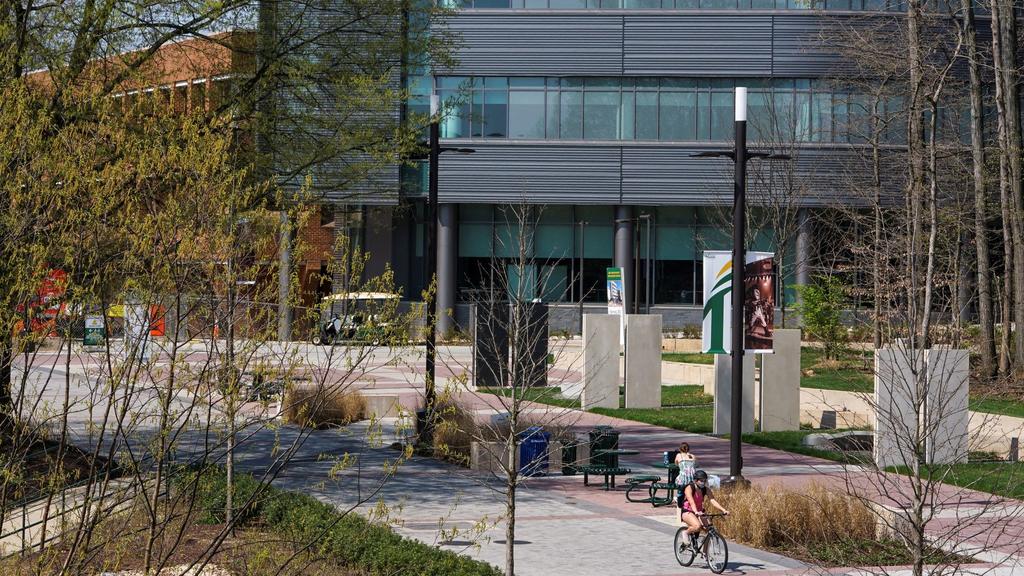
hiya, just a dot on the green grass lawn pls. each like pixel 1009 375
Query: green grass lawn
pixel 689 358
pixel 852 373
pixel 998 406
pixel 696 419
pixel 683 407
pixel 1000 478
pixel 792 441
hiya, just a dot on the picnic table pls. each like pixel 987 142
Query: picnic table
pixel 607 471
pixel 653 484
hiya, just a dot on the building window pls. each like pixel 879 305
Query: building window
pixel 663 109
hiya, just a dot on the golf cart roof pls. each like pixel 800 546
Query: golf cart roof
pixel 362 296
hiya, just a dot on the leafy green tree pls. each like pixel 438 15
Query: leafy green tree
pixel 820 309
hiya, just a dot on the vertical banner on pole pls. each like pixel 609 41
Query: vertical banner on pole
pixel 759 302
pixel 617 299
pixel 716 333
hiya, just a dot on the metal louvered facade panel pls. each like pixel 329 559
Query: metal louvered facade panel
pixel 538 174
pixel 532 45
pixel 697 45
pixel 640 174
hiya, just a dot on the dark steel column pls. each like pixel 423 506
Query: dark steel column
pixel 623 257
pixel 738 257
pixel 447 265
pixel 430 255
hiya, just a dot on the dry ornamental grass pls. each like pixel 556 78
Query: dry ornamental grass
pixel 312 408
pixel 780 518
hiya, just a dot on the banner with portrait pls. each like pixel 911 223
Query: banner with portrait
pixel 758 302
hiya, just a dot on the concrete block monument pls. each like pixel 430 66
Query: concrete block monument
pixel 600 361
pixel 895 418
pixel 723 393
pixel 946 414
pixel 780 383
pixel 643 361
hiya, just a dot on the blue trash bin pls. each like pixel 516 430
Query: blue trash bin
pixel 533 451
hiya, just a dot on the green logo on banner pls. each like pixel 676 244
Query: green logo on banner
pixel 715 307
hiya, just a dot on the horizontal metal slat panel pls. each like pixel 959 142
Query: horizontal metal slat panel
pixel 696 45
pixel 540 174
pixel 798 50
pixel 531 44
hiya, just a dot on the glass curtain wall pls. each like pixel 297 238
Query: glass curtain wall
pixel 660 109
pixel 569 249
pixel 838 5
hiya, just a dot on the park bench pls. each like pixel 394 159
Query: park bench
pixel 606 471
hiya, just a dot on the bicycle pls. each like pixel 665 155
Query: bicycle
pixel 713 546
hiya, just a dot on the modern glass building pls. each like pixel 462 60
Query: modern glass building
pixel 590 111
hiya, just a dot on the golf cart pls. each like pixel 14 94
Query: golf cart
pixel 354 316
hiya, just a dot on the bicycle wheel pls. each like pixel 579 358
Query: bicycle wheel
pixel 684 554
pixel 716 552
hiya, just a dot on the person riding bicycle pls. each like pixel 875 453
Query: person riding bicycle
pixel 691 503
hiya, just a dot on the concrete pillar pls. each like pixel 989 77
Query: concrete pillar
pixel 643 361
pixel 447 265
pixel 723 394
pixel 600 361
pixel 623 257
pixel 284 308
pixel 780 383
pixel 895 416
pixel 946 416
pixel 803 247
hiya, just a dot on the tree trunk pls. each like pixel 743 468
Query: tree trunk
pixel 933 225
pixel 986 335
pixel 876 182
pixel 1010 246
pixel 1013 150
pixel 916 153
pixel 6 397
pixel 510 507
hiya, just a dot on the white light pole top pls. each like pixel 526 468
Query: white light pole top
pixel 435 104
pixel 741 104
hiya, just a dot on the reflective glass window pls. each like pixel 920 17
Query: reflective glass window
pixel 526 114
pixel 600 115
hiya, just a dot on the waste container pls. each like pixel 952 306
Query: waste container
pixel 604 438
pixel 569 456
pixel 533 451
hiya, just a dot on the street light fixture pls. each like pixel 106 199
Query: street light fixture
pixel 430 394
pixel 739 155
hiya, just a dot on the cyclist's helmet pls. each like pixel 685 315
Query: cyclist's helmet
pixel 700 475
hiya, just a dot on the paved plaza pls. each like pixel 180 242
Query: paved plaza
pixel 562 526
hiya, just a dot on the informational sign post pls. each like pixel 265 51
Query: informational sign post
pixel 95 334
pixel 617 299
pixel 758 308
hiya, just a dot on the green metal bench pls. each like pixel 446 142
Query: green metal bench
pixel 606 471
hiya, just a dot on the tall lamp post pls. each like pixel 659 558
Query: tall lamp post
pixel 430 393
pixel 739 155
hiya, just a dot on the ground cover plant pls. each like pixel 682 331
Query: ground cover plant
pixel 349 539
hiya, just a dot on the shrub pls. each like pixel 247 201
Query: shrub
pixel 211 494
pixel 317 408
pixel 350 539
pixel 777 517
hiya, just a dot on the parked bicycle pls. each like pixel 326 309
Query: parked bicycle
pixel 708 543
